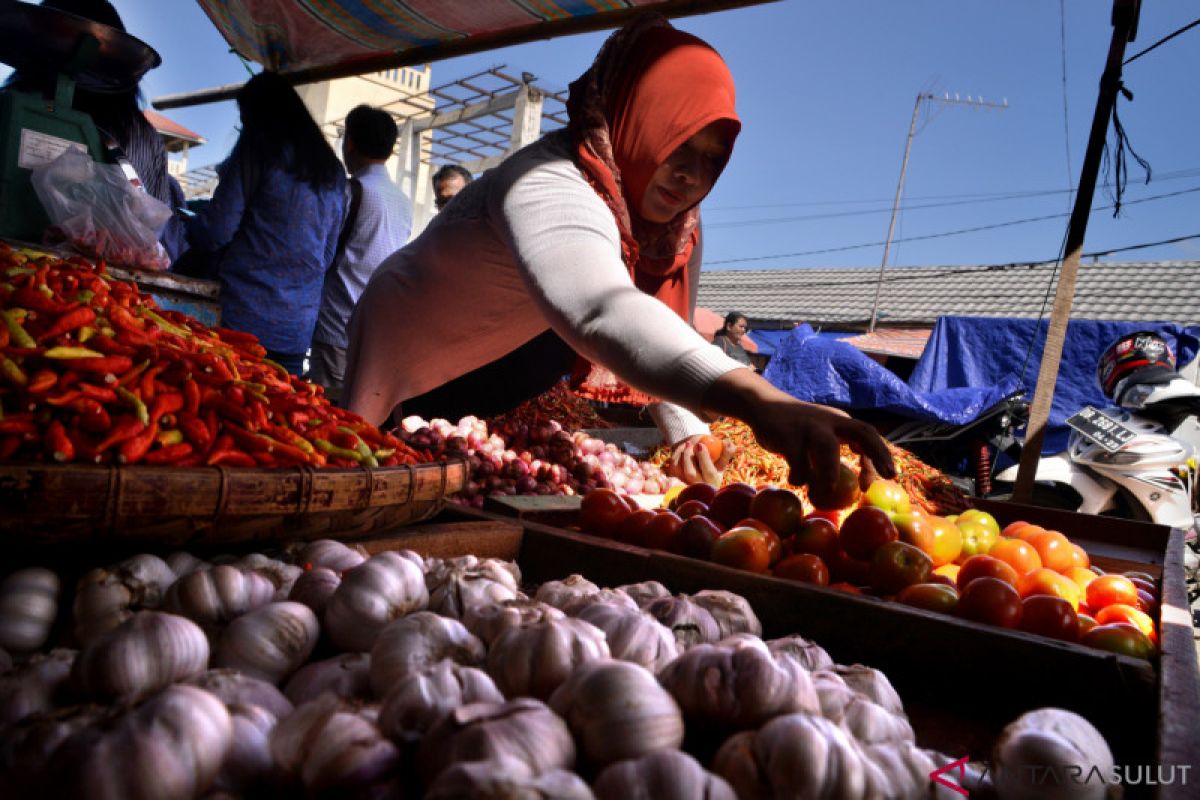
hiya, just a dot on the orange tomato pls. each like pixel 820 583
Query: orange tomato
pixel 982 566
pixel 1052 548
pixel 1081 576
pixel 1047 581
pixel 1119 612
pixel 950 571
pixel 743 548
pixel 1109 590
pixel 1013 528
pixel 1079 557
pixel 1019 555
pixel 713 445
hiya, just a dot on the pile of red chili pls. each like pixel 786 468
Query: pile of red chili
pixel 92 371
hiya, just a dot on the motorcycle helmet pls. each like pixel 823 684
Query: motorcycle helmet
pixel 1144 352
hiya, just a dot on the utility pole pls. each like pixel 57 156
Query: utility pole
pixel 925 97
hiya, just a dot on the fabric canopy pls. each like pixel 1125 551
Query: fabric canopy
pixel 323 39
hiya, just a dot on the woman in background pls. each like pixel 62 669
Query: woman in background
pixel 275 216
pixel 729 338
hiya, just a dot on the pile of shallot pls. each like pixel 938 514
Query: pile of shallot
pixel 539 458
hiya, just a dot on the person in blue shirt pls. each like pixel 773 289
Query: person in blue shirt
pixel 275 219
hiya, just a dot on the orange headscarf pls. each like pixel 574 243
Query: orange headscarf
pixel 651 88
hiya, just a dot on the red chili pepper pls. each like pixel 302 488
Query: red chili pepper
pixel 134 449
pixel 248 441
pixel 228 410
pixel 42 381
pixel 170 454
pixel 191 396
pixel 195 431
pixel 5 336
pixel 18 426
pixel 67 379
pixel 58 445
pixel 115 365
pixel 110 346
pixel 122 429
pixel 148 381
pixel 262 459
pixel 33 299
pixel 100 393
pixel 67 322
pixel 92 416
pixel 66 398
pixel 8 446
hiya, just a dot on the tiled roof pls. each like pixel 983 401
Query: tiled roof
pixel 1123 290
pixel 169 127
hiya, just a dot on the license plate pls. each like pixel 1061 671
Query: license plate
pixel 1101 429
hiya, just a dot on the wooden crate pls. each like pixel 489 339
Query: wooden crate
pixel 962 681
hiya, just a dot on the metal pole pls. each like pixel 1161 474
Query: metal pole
pixel 912 127
pixel 1124 21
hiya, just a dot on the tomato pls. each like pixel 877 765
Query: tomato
pixel 602 512
pixel 929 596
pixel 773 540
pixel 937 537
pixel 1109 589
pixel 696 537
pixel 865 530
pixel 690 508
pixel 888 496
pixel 1019 555
pixel 779 508
pixel 704 492
pixel 713 445
pixel 992 601
pixel 977 537
pixel 1020 529
pixel 1119 637
pixel 839 491
pixel 899 564
pixel 815 535
pixel 1146 601
pixel 975 515
pixel 848 588
pixel 1079 557
pixel 977 567
pixel 661 532
pixel 832 516
pixel 1049 616
pixel 1086 623
pixel 1052 548
pixel 730 504
pixel 850 570
pixel 1119 612
pixel 803 567
pixel 1081 576
pixel 633 504
pixel 948 571
pixel 630 529
pixel 743 548
pixel 1044 581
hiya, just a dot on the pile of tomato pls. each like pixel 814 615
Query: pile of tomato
pixel 878 543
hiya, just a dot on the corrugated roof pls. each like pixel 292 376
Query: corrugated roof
pixel 1121 290
pixel 904 342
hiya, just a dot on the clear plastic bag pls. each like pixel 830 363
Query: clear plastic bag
pixel 94 209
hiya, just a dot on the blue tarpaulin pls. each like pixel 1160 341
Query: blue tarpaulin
pixel 768 341
pixel 969 364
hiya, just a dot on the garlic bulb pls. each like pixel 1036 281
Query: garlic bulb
pixel 633 635
pixel 833 693
pixel 728 689
pixel 39 684
pixel 28 606
pixel 690 623
pixel 329 747
pixel 170 746
pixel 148 651
pixel 27 746
pixel 270 642
pixel 248 766
pixel 873 684
pixel 5 660
pixel 417 642
pixel 347 675
pixel 314 588
pixel 796 755
pixel 523 729
pixel 661 775
pixel 212 597
pixel 642 593
pixel 283 575
pixel 808 654
pixel 617 710
pixel 236 689
pixel 419 699
pixel 462 588
pixel 329 554
pixel 1038 741
pixel 732 612
pixel 104 598
pixel 560 593
pixel 371 595
pixel 573 606
pixel 533 661
pixel 871 723
pixel 905 771
pixel 489 621
pixel 506 779
pixel 183 563
pixel 437 569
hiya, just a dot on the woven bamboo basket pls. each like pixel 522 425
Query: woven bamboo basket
pixel 48 504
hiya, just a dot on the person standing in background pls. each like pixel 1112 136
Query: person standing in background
pixel 377 225
pixel 729 338
pixel 277 212
pixel 449 180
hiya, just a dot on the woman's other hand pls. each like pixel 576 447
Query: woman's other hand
pixel 692 463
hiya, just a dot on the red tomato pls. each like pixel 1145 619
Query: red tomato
pixel 629 501
pixel 816 535
pixel 832 516
pixel 630 529
pixel 930 596
pixel 899 564
pixel 803 567
pixel 841 490
pixel 703 492
pixel 865 530
pixel 1119 612
pixel 982 566
pixel 992 601
pixel 696 537
pixel 773 541
pixel 690 508
pixel 1110 589
pixel 849 570
pixel 743 548
pixel 848 588
pixel 1051 616
pixel 661 532
pixel 602 512
pixel 1086 623
pixel 1119 637
pixel 779 508
pixel 730 504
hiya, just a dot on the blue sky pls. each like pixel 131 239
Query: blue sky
pixel 826 92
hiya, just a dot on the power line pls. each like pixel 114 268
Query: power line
pixel 946 234
pixel 1161 41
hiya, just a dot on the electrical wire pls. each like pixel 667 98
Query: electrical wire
pixel 1161 41
pixel 1062 49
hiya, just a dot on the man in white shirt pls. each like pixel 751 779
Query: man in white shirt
pixel 377 225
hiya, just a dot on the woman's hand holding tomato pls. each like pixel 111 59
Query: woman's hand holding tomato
pixel 701 459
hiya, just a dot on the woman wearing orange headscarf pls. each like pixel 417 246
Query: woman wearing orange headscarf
pixel 585 248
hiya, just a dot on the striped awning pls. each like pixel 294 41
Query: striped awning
pixel 315 40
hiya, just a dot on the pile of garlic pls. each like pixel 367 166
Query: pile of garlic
pixel 328 672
